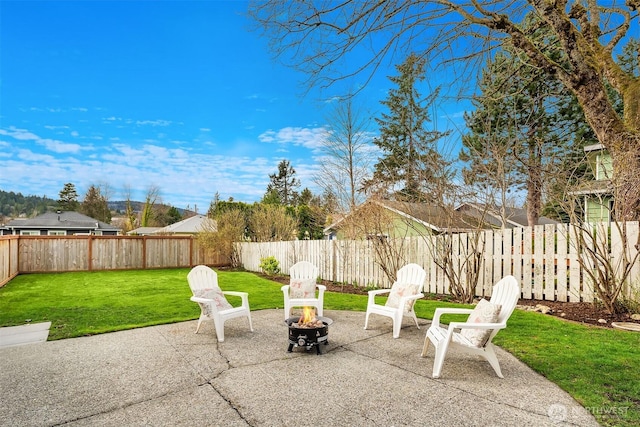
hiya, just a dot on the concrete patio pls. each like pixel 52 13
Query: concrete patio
pixel 168 376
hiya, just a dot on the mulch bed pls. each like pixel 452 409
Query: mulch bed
pixel 581 312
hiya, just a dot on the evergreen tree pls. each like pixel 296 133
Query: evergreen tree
pixel 173 215
pixel 518 135
pixel 271 197
pixel 68 200
pixel 95 205
pixel 410 158
pixel 284 184
pixel 305 197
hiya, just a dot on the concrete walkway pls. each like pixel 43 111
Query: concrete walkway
pixel 168 376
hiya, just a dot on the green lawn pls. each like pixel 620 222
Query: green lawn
pixel 599 367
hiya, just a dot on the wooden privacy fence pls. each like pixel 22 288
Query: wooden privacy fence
pixel 39 254
pixel 543 258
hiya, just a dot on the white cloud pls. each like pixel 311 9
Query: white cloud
pixel 59 146
pixel 19 134
pixel 307 137
pixel 50 144
pixel 153 123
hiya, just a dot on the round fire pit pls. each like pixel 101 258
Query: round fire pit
pixel 308 337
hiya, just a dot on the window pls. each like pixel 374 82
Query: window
pixel 29 232
pixel 57 233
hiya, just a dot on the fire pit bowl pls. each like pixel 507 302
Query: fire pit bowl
pixel 308 337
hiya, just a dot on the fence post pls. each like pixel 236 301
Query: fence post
pixel 90 252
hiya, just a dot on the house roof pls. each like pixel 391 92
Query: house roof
pixel 594 187
pixel 514 216
pixel 432 217
pixel 64 220
pixel 436 218
pixel 193 224
pixel 142 231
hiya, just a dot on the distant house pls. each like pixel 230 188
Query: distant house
pixel 597 195
pixel 143 231
pixel 191 225
pixel 61 223
pixel 401 219
pixel 514 217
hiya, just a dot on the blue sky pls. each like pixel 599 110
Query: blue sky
pixel 176 95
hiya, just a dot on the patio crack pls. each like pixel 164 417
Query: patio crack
pixel 456 388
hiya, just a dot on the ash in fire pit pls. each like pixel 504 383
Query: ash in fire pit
pixel 308 330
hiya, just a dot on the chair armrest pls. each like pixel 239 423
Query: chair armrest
pixel 465 325
pixel 379 291
pixel 440 311
pixel 243 295
pixel 412 297
pixel 321 290
pixel 373 294
pixel 235 293
pixel 404 300
pixel 285 288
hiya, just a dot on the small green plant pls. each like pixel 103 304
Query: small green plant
pixel 371 286
pixel 270 265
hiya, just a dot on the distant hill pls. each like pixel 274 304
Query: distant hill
pixel 14 205
pixel 120 206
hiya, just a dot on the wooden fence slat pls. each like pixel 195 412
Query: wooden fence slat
pixel 550 261
pixel 538 262
pixel 575 273
pixel 562 262
pixel 516 253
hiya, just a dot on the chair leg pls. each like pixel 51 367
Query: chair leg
pixel 491 357
pixel 366 320
pixel 425 347
pixel 441 352
pixel 287 311
pixel 320 310
pixel 415 319
pixel 250 323
pixel 397 324
pixel 199 322
pixel 219 330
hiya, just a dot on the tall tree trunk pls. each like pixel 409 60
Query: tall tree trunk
pixel 622 140
pixel 590 63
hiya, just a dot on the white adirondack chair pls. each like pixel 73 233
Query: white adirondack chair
pixel 402 297
pixel 475 335
pixel 203 282
pixel 302 290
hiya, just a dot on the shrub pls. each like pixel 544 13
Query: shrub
pixel 270 265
